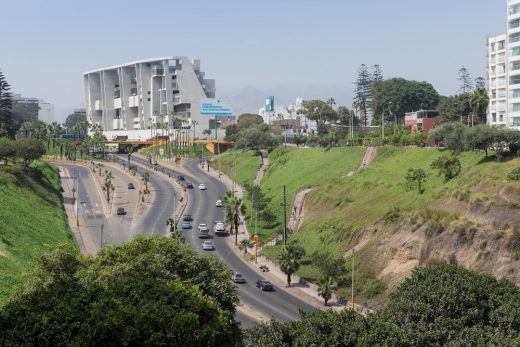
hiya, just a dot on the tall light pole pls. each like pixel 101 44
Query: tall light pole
pixel 353 304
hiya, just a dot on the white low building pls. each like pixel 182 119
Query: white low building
pixel 288 117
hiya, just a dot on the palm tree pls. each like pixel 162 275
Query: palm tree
pixel 478 101
pixel 146 179
pixel 54 132
pixel 326 286
pixel 140 196
pixel 233 207
pixel 27 127
pixel 207 132
pixel 244 244
pixel 289 261
pixel 171 223
pixel 108 187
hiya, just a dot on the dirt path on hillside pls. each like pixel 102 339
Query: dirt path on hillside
pixel 262 168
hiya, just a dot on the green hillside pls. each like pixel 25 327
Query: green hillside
pixel 31 216
pixel 297 169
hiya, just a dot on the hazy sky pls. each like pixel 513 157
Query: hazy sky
pixel 300 46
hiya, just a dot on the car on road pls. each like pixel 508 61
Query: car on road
pixel 202 186
pixel 187 218
pixel 186 225
pixel 131 186
pixel 203 234
pixel 180 178
pixel 208 245
pixel 264 285
pixel 237 277
pixel 121 211
pixel 188 185
pixel 203 226
pixel 218 203
pixel 220 228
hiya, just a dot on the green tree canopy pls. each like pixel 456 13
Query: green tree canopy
pixel 319 111
pixel 256 138
pixel 29 149
pixel 147 292
pixel 248 120
pixel 396 96
pixel 7 149
pixel 454 108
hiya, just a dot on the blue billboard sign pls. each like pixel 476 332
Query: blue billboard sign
pixel 215 107
pixel 269 104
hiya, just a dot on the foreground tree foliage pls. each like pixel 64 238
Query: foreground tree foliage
pixel 442 305
pixel 150 291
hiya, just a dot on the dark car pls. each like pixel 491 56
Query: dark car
pixel 189 185
pixel 131 186
pixel 121 211
pixel 180 178
pixel 187 218
pixel 264 285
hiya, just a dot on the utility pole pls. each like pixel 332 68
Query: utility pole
pixel 284 218
pixel 77 201
pixel 353 305
pixel 383 128
pixel 256 237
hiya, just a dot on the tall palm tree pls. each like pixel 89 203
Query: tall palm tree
pixel 478 102
pixel 289 261
pixel 108 187
pixel 233 207
pixel 27 127
pixel 54 132
pixel 146 179
pixel 326 286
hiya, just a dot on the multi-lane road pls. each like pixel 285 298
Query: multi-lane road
pixel 201 205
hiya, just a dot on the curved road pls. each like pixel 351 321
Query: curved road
pixel 201 205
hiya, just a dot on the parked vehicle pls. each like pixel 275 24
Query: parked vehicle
pixel 131 186
pixel 264 285
pixel 121 211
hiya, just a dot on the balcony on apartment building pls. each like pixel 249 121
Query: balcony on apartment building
pixel 157 71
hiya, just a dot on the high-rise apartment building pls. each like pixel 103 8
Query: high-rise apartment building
pixel 136 98
pixel 33 109
pixel 504 72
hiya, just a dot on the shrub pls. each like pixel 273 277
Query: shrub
pixel 392 215
pixel 450 167
pixel 514 175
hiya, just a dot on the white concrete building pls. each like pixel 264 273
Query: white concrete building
pixel 504 72
pixel 131 99
pixel 296 123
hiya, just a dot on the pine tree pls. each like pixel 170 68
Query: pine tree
pixel 6 113
pixel 466 83
pixel 377 74
pixel 480 82
pixel 363 93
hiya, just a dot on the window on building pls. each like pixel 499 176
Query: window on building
pixel 501 45
pixel 514 80
pixel 514 37
pixel 501 93
pixel 515 23
pixel 493 94
pixel 514 122
pixel 513 52
pixel 514 93
pixel 501 117
pixel 515 107
pixel 514 9
pixel 492 47
pixel 494 117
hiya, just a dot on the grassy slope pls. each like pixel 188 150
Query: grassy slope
pixel 297 168
pixel 31 216
pixel 340 210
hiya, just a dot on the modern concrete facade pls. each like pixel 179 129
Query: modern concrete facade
pixel 137 98
pixel 289 118
pixel 504 72
pixel 43 111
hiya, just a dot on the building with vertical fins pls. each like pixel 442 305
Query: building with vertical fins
pixel 138 98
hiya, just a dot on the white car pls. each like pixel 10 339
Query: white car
pixel 220 226
pixel 203 226
pixel 202 186
pixel 207 245
pixel 238 277
pixel 218 203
